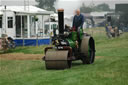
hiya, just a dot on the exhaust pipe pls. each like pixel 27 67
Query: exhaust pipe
pixel 61 21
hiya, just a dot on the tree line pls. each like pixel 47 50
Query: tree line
pixel 49 5
pixel 92 8
pixel 46 4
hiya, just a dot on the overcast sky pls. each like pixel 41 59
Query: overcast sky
pixel 65 2
pixel 71 5
pixel 68 5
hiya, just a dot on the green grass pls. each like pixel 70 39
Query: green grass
pixel 27 50
pixel 109 69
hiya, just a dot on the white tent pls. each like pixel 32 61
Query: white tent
pixel 98 14
pixel 1 13
pixel 26 9
pixel 19 21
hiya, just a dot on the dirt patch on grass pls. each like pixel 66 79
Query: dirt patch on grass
pixel 97 57
pixel 21 56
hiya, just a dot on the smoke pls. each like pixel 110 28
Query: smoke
pixel 69 6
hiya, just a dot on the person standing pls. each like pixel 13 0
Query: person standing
pixel 54 29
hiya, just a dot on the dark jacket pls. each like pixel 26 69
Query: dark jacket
pixel 78 21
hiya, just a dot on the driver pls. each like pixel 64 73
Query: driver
pixel 78 20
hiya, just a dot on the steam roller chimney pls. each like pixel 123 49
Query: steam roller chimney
pixel 61 21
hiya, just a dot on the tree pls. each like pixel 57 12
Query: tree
pixel 85 9
pixel 103 7
pixel 100 7
pixel 46 4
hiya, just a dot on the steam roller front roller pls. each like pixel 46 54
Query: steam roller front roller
pixel 57 59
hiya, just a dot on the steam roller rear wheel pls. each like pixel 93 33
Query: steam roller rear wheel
pixel 88 49
pixel 56 59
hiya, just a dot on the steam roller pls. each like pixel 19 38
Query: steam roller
pixel 69 45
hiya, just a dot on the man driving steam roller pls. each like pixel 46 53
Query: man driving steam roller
pixel 78 22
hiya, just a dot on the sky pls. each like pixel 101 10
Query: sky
pixel 66 2
pixel 16 2
pixel 68 5
pixel 71 5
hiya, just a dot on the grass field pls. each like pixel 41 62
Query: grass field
pixel 110 67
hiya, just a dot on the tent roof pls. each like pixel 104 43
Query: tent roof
pixel 29 9
pixel 1 13
pixel 96 14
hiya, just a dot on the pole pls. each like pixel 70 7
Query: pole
pixel 24 5
pixel 22 36
pixel 43 24
pixel 28 26
pixel 37 40
pixel 21 27
pixel 5 20
pixel 0 2
pixel 36 33
pixel 23 40
pixel 50 31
